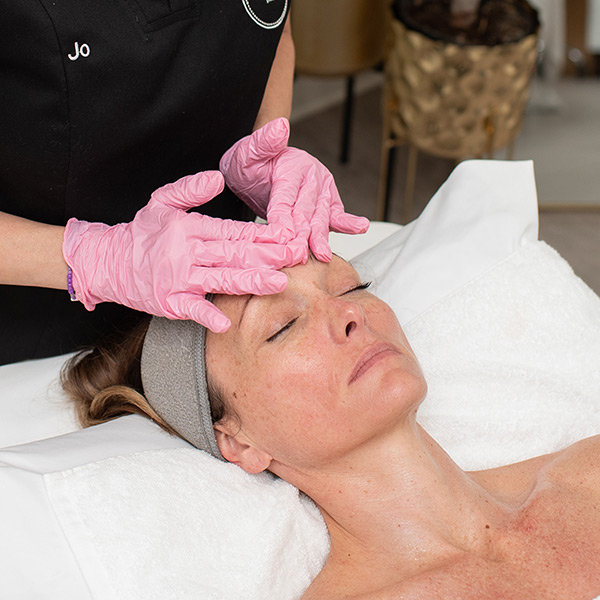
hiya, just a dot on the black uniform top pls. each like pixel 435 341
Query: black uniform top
pixel 103 102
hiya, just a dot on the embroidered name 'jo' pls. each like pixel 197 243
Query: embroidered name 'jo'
pixel 83 50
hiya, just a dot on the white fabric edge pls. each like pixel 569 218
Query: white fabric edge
pixel 493 203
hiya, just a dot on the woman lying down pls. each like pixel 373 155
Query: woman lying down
pixel 319 385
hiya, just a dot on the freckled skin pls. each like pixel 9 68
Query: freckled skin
pixel 405 522
pixel 547 547
pixel 307 411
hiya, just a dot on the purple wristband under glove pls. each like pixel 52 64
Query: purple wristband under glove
pixel 70 284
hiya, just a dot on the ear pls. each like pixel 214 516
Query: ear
pixel 236 449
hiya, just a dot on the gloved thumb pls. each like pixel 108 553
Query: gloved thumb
pixel 190 191
pixel 265 143
pixel 271 138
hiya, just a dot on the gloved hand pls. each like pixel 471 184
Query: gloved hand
pixel 166 260
pixel 288 186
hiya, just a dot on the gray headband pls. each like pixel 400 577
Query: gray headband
pixel 174 380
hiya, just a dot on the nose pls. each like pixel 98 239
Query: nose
pixel 347 319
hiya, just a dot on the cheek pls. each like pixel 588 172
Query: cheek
pixel 301 376
pixel 392 328
pixel 266 387
pixel 381 318
pixel 292 398
pixel 318 356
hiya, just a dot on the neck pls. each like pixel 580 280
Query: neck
pixel 402 499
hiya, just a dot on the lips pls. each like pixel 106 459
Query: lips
pixel 370 357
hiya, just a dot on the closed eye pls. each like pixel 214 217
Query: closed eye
pixel 280 331
pixel 272 338
pixel 360 286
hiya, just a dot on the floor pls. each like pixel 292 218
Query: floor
pixel 564 143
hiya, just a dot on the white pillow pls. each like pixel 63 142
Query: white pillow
pixel 482 213
pixel 512 361
pixel 32 403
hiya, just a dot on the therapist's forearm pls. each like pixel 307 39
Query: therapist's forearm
pixel 31 253
pixel 277 99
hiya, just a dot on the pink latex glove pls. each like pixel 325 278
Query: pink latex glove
pixel 166 260
pixel 288 186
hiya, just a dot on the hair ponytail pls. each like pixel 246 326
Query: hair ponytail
pixel 105 382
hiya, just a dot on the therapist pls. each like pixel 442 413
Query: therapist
pixel 106 109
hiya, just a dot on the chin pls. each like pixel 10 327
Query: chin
pixel 411 392
pixel 397 391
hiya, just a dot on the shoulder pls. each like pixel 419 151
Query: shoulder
pixel 578 464
pixel 579 460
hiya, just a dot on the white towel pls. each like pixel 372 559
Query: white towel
pixel 179 524
pixel 512 360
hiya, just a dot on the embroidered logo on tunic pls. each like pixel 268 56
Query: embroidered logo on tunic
pixel 268 14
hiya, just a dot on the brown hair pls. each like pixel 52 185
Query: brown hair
pixel 105 382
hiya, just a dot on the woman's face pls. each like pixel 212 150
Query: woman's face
pixel 317 370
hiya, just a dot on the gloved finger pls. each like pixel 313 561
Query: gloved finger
pixel 319 230
pixel 243 255
pixel 190 191
pixel 305 206
pixel 299 250
pixel 343 222
pixel 282 201
pixel 213 229
pixel 238 282
pixel 196 308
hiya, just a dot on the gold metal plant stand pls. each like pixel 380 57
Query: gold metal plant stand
pixel 450 100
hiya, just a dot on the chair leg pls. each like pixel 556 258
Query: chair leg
pixel 389 181
pixel 389 142
pixel 411 176
pixel 347 120
pixel 490 129
pixel 386 168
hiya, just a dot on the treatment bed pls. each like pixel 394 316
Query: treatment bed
pixel 507 335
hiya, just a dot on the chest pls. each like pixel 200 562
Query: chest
pixel 551 551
